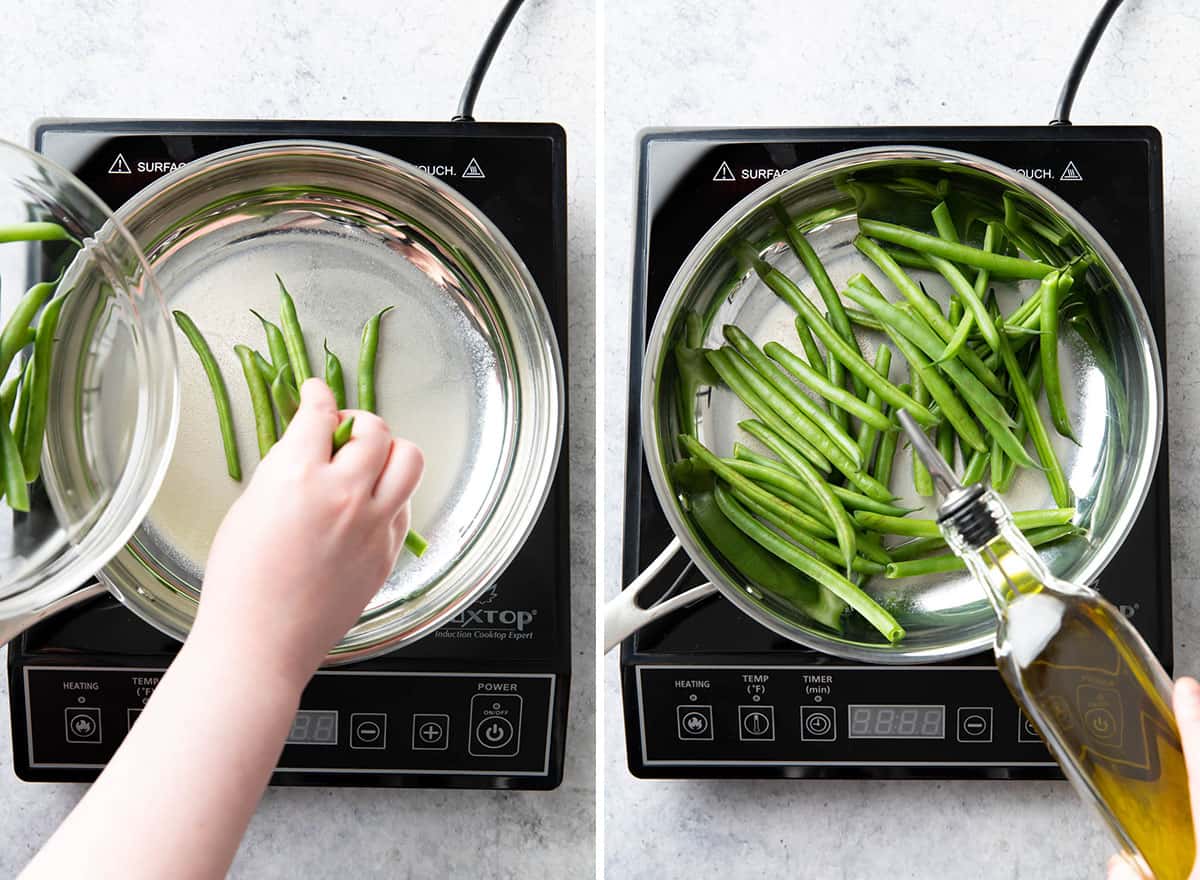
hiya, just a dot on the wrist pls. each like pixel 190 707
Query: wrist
pixel 233 657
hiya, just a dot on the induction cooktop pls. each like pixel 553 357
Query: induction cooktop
pixel 481 702
pixel 707 691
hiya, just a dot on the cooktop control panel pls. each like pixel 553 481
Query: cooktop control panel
pixel 845 716
pixel 350 722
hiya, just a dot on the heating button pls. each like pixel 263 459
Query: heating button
pixel 83 724
pixel 694 722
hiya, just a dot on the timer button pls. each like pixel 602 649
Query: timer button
pixel 818 723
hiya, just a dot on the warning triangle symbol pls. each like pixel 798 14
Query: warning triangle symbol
pixel 1071 173
pixel 724 173
pixel 473 170
pixel 119 165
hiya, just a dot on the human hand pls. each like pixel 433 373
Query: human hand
pixel 1187 715
pixel 310 541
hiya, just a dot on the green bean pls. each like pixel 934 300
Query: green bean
pixel 1053 288
pixel 293 336
pixel 823 387
pixel 909 325
pixel 803 500
pixel 39 392
pixel 366 361
pixel 415 543
pixel 220 392
pixel 15 487
pixel 34 231
pixel 836 374
pixel 997 462
pixel 993 239
pixel 8 395
pixel 940 329
pixel 954 311
pixel 944 223
pixel 809 344
pixel 843 526
pixel 1033 379
pixel 833 303
pixel 962 332
pixel 768 472
pixel 823 550
pixel 21 421
pixel 945 442
pixel 922 479
pixel 928 528
pixel 871 547
pixel 834 344
pixel 814 568
pixel 976 465
pixel 286 400
pixel 997 264
pixel 264 366
pixel 260 400
pixel 747 385
pixel 948 402
pixel 794 396
pixel 864 319
pixel 1055 477
pixel 866 432
pixel 970 299
pixel 950 562
pixel 885 457
pixel 276 345
pixel 916 548
pixel 334 377
pixel 341 435
pixel 907 258
pixel 15 335
pixel 749 488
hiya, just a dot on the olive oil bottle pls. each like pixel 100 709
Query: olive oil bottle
pixel 1083 675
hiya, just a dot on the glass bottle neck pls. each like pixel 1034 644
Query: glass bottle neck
pixel 1007 566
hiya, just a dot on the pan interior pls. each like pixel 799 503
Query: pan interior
pixel 944 615
pixel 441 369
pixel 467 365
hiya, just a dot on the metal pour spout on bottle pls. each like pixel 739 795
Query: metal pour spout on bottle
pixel 1082 674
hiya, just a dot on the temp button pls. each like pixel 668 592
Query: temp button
pixel 495 725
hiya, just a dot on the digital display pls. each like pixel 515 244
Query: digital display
pixel 897 722
pixel 314 727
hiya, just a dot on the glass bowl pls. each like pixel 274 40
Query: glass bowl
pixel 113 402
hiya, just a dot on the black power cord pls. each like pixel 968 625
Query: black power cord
pixel 1067 97
pixel 466 104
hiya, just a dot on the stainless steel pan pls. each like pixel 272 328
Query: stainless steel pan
pixel 945 616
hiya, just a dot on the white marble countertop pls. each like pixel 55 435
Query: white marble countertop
pixel 878 62
pixel 368 60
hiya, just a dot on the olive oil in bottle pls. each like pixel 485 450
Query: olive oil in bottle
pixel 1082 674
pixel 1097 695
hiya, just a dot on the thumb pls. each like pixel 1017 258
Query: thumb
pixel 1187 716
pixel 312 427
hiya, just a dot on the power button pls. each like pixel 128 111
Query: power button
pixel 495 725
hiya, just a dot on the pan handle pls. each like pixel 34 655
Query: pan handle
pixel 13 627
pixel 623 616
